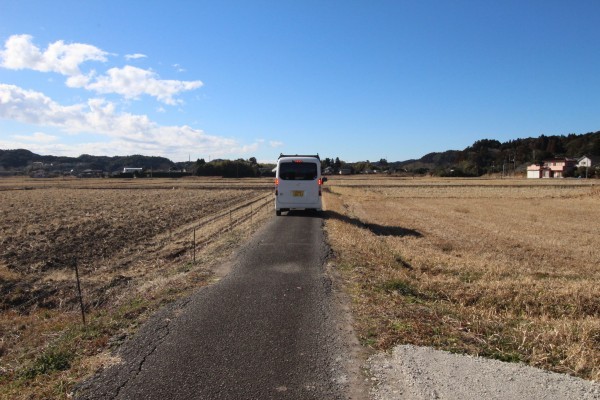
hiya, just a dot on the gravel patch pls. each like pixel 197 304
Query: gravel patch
pixel 412 372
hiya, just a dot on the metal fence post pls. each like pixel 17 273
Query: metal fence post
pixel 79 290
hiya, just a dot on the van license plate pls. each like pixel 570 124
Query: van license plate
pixel 298 193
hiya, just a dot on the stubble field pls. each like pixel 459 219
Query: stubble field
pixel 132 242
pixel 506 269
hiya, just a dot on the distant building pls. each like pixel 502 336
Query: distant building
pixel 267 171
pixel 534 171
pixel 587 161
pixel 130 170
pixel 556 168
pixel 345 171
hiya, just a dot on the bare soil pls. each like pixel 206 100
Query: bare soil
pixel 132 241
pixel 46 231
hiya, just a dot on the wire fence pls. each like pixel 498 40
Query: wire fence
pixel 176 244
pixel 185 240
pixel 249 214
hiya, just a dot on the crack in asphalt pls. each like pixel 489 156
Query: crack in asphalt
pixel 152 334
pixel 138 370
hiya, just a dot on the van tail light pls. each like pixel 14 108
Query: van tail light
pixel 276 181
pixel 276 187
pixel 320 181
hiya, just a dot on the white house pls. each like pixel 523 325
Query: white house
pixel 128 169
pixel 586 161
pixel 534 171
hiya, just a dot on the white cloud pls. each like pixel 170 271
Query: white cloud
pixel 78 81
pixel 132 82
pixel 35 108
pixel 37 137
pixel 20 53
pixel 128 133
pixel 250 148
pixel 275 143
pixel 178 68
pixel 135 56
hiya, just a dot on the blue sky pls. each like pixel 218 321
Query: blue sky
pixel 351 79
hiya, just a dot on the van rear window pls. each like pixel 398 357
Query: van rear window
pixel 291 171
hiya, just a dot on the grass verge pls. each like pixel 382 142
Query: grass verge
pixel 492 272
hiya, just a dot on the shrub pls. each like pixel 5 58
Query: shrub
pixel 51 360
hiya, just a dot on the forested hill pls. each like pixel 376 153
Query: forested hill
pixel 483 156
pixel 489 155
pixel 11 160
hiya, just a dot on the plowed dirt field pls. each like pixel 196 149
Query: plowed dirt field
pixel 47 230
pixel 133 244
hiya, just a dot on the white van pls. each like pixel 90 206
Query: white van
pixel 298 183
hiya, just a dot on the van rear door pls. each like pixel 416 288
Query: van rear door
pixel 298 185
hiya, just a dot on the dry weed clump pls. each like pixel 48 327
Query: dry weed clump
pixel 133 248
pixel 498 272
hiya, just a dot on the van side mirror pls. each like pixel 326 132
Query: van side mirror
pixel 324 179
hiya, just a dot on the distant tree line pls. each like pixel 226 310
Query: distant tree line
pixel 232 169
pixel 491 156
pixel 20 159
pixel 486 156
pixel 335 164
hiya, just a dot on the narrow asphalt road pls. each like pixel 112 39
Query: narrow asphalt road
pixel 269 330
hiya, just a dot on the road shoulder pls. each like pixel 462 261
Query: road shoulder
pixel 412 372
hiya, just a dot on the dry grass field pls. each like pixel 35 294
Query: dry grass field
pixel 132 241
pixel 507 269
